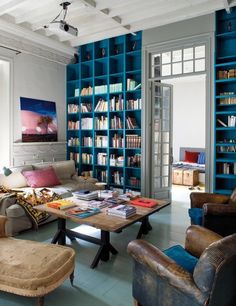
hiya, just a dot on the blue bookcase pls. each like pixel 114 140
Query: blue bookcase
pixel 104 111
pixel 225 102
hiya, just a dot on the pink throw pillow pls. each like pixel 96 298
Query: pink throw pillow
pixel 41 178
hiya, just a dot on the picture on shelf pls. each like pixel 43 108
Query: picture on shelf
pixel 39 120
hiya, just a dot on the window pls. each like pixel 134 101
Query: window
pixel 178 62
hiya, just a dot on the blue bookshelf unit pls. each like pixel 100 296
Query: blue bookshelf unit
pixel 104 111
pixel 225 102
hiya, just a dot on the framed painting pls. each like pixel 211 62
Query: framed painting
pixel 39 120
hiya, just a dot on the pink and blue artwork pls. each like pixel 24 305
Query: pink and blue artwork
pixel 39 120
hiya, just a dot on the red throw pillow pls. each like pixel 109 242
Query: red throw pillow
pixel 45 177
pixel 191 157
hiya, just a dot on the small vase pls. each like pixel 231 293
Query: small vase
pixel 103 52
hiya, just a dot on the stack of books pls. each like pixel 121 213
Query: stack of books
pixel 86 195
pixel 121 210
pixel 82 213
pixel 97 204
pixel 60 204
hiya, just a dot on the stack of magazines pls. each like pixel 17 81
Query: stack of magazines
pixel 97 204
pixel 121 210
pixel 86 195
pixel 114 200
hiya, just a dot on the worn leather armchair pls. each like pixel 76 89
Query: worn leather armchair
pixel 218 214
pixel 159 281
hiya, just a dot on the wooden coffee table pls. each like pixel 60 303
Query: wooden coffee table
pixel 105 223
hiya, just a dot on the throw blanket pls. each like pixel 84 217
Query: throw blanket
pixel 28 200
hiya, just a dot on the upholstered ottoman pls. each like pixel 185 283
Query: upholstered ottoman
pixel 31 268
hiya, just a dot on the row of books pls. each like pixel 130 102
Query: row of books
pixel 132 84
pixel 227 168
pixel 228 100
pixel 73 141
pixel 131 123
pixel 133 141
pixel 134 181
pixel 117 178
pixel 100 89
pixel 102 106
pixel 73 125
pixel 72 108
pixel 101 123
pixel 231 120
pixel 87 91
pixel 74 156
pixel 116 161
pixel 226 74
pixel 222 149
pixel 87 141
pixel 134 161
pixel 87 123
pixel 86 107
pixel 117 141
pixel 116 103
pixel 102 158
pixel 116 123
pixel 87 158
pixel 115 87
pixel 101 141
pixel 102 175
pixel 134 104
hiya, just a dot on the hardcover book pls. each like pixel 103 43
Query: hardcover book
pixel 60 204
pixel 145 202
pixel 82 213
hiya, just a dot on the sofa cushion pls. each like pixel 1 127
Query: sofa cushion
pixel 14 180
pixel 64 169
pixel 41 178
pixel 15 211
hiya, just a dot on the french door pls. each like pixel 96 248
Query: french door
pixel 158 145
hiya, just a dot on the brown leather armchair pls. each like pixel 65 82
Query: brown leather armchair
pixel 219 215
pixel 159 281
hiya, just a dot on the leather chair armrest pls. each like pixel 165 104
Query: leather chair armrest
pixel 3 220
pixel 219 210
pixel 198 239
pixel 160 264
pixel 199 198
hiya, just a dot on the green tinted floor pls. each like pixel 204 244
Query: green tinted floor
pixel 109 283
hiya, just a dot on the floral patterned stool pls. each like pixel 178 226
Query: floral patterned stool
pixel 32 268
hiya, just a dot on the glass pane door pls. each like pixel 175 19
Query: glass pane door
pixel 161 140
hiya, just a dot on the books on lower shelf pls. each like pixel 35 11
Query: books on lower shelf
pixel 121 210
pixel 81 212
pixel 131 123
pixel 102 106
pixel 133 141
pixel 60 204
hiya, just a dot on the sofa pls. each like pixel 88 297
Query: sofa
pixel 18 220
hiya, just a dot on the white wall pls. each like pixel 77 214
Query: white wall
pixel 189 118
pixel 38 78
pixel 4 113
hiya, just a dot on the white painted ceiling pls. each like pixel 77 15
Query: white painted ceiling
pixel 97 19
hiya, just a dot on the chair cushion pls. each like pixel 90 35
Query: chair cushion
pixel 33 268
pixel 182 257
pixel 196 215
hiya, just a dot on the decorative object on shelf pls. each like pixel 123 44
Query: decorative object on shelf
pixel 88 55
pixel 229 26
pixel 134 45
pixel 116 49
pixel 103 52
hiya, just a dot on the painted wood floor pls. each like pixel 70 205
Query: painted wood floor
pixel 110 283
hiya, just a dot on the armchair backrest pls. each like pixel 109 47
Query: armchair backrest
pixel 215 272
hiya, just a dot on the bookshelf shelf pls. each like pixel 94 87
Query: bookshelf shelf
pixel 107 102
pixel 225 103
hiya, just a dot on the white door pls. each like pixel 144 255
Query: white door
pixel 161 140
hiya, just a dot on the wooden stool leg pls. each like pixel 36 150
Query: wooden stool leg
pixel 41 301
pixel 72 278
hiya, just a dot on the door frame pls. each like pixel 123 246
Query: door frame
pixel 208 40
